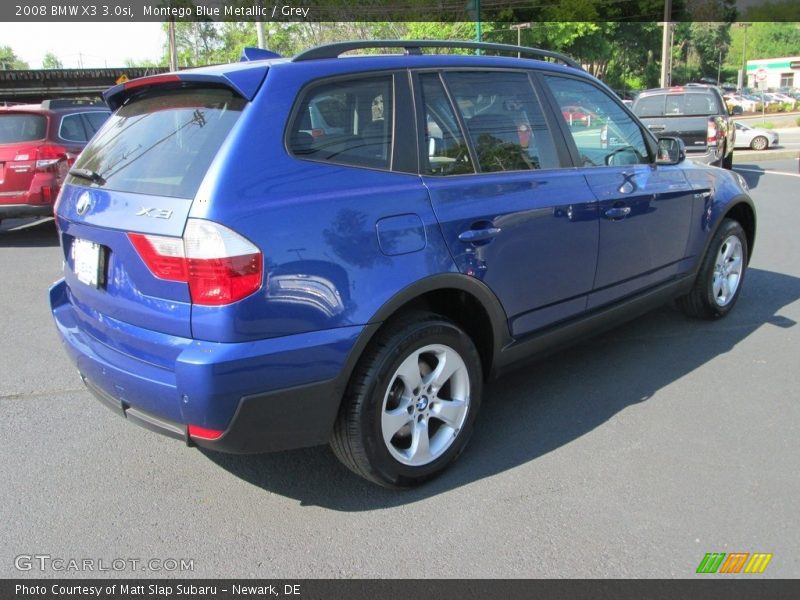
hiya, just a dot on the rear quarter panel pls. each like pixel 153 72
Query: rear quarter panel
pixel 316 224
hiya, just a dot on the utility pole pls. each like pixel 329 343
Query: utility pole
pixel 666 46
pixel 173 51
pixel 743 72
pixel 260 34
pixel 519 27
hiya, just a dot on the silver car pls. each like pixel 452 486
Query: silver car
pixel 754 137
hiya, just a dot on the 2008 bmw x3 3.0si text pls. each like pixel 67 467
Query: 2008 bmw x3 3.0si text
pixel 288 252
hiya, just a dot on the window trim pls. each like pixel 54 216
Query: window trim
pixel 80 120
pixel 303 93
pixel 419 103
pixel 650 141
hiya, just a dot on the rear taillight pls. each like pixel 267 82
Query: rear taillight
pixel 48 156
pixel 712 133
pixel 219 265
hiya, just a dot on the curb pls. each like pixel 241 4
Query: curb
pixel 763 156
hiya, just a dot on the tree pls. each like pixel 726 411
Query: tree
pixel 51 61
pixel 9 60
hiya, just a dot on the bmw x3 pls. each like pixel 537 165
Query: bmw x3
pixel 339 250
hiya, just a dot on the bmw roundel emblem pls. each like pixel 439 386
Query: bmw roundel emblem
pixel 84 203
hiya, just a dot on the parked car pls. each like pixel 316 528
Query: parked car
pixel 754 137
pixel 578 115
pixel 234 282
pixel 697 114
pixel 38 143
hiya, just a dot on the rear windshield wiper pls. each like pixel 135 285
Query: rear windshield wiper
pixel 92 176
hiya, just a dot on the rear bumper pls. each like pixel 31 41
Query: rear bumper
pixel 265 395
pixel 708 156
pixel 16 211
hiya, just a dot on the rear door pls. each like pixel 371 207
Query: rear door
pixel 645 210
pixel 511 216
pixel 139 175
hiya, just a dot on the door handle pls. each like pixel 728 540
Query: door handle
pixel 618 212
pixel 656 127
pixel 478 235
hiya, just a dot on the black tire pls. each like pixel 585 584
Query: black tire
pixel 703 302
pixel 727 160
pixel 358 440
pixel 759 143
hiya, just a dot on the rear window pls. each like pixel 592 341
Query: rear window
pixel 684 105
pixel 162 143
pixel 17 127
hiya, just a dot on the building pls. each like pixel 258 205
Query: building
pixel 781 72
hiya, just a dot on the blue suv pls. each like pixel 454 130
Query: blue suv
pixel 289 252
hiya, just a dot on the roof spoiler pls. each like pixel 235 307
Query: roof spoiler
pixel 251 53
pixel 243 82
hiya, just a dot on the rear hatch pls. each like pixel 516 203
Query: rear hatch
pixel 681 114
pixel 21 136
pixel 124 209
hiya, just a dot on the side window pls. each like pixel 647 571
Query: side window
pixel 447 151
pixel 72 129
pixel 93 121
pixel 607 135
pixel 347 122
pixel 504 120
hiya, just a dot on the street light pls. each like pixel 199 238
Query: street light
pixel 519 27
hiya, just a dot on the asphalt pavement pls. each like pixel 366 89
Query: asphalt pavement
pixel 630 455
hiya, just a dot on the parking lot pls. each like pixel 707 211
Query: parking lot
pixel 629 455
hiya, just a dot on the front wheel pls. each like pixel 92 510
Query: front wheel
pixel 721 274
pixel 759 143
pixel 411 404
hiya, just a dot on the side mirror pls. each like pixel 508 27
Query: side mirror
pixel 735 110
pixel 671 151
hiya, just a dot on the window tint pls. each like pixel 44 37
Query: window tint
pixel 95 120
pixel 163 142
pixel 347 122
pixel 17 127
pixel 608 135
pixel 447 153
pixel 72 129
pixel 650 106
pixel 504 121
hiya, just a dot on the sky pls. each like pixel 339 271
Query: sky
pixel 89 44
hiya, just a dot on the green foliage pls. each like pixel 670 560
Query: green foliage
pixel 51 61
pixel 9 60
pixel 764 40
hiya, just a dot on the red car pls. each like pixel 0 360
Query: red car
pixel 38 144
pixel 577 114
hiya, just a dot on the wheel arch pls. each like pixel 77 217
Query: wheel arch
pixel 466 301
pixel 743 213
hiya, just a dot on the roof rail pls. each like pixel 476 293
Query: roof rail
pixel 70 103
pixel 415 46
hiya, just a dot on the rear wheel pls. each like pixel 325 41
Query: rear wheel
pixel 721 274
pixel 759 143
pixel 411 404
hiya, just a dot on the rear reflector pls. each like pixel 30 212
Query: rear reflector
pixel 203 434
pixel 219 265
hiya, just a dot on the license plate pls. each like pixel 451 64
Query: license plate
pixel 86 261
